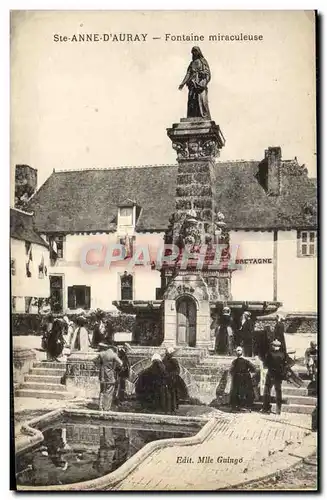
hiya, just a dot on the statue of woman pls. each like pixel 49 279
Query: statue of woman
pixel 197 78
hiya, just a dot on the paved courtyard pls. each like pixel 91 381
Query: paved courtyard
pixel 262 444
pixel 240 448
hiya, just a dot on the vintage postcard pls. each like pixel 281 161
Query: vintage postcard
pixel 164 245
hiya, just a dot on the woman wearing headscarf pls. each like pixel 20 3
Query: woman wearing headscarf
pixel 225 333
pixel 122 372
pixel 196 79
pixel 99 330
pixel 46 328
pixel 80 340
pixel 56 342
pixel 151 387
pixel 173 370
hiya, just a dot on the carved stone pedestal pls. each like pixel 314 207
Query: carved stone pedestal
pixel 193 226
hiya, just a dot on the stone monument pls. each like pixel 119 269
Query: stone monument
pixel 196 226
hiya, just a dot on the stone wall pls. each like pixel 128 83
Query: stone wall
pixel 22 361
pixel 206 379
pixel 294 323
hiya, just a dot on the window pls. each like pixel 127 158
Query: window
pixel 13 304
pixel 60 247
pixel 307 243
pixel 13 267
pixel 125 216
pixel 79 296
pixel 126 286
pixel 56 244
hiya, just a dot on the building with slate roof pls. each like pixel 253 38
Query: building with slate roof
pixel 29 259
pixel 270 207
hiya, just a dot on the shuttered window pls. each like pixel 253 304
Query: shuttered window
pixel 307 243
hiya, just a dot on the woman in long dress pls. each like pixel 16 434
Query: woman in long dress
pixel 196 79
pixel 151 387
pixel 80 340
pixel 55 343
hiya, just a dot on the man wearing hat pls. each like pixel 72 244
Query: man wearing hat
pixel 242 394
pixel 107 361
pixel 279 332
pixel 275 363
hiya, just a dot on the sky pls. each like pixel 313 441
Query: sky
pixel 108 104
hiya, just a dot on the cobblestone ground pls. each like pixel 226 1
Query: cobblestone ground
pixel 262 442
pixel 300 477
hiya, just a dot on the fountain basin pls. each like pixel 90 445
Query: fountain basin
pixel 99 448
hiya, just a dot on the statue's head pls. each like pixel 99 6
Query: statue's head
pixel 196 53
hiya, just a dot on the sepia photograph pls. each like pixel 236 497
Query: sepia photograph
pixel 164 250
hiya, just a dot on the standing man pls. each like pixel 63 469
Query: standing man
pixel 279 332
pixel 276 370
pixel 173 370
pixel 246 334
pixel 107 362
pixel 242 394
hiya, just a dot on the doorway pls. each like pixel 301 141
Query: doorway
pixel 186 322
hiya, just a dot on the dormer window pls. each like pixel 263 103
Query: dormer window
pixel 125 216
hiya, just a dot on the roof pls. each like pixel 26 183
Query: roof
pixel 88 200
pixel 21 227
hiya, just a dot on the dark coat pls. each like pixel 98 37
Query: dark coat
pixel 245 334
pixel 242 388
pixel 97 335
pixel 221 345
pixel 55 341
pixel 151 387
pixel 276 363
pixel 172 367
pixel 279 334
pixel 123 371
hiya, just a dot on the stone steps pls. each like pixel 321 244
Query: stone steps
pixel 49 364
pixel 44 381
pixel 300 400
pixel 44 386
pixel 289 408
pixel 48 371
pixel 39 394
pixel 295 391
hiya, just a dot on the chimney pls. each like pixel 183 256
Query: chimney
pixel 269 172
pixel 25 184
pixel 273 157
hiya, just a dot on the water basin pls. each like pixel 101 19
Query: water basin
pixel 78 449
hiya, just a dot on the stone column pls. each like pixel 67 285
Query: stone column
pixel 197 143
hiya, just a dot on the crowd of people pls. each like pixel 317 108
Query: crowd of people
pixel 275 366
pixel 60 333
pixel 230 334
pixel 159 387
